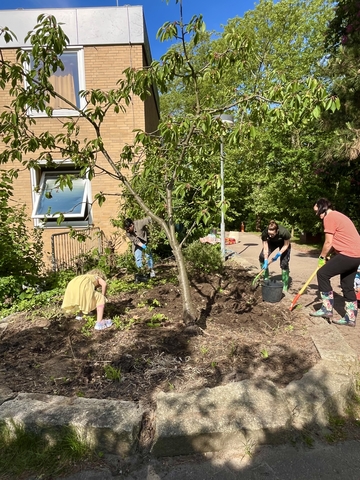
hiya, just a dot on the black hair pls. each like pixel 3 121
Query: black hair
pixel 323 204
pixel 128 222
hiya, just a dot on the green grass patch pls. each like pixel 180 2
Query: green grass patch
pixel 27 452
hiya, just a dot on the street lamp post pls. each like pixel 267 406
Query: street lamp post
pixel 228 119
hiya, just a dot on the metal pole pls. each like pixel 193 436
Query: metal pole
pixel 222 223
pixel 229 120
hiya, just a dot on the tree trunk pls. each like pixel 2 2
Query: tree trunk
pixel 189 313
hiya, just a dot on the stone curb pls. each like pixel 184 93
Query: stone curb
pixel 224 417
pixel 257 412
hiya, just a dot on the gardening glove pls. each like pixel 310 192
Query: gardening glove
pixel 278 255
pixel 321 261
pixel 144 247
pixel 265 264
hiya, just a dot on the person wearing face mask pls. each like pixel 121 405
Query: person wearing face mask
pixel 276 237
pixel 341 238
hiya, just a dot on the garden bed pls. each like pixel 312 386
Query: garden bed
pixel 149 349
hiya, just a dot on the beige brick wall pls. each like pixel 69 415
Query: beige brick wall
pixel 103 67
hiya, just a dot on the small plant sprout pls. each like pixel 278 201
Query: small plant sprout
pixel 289 328
pixel 249 447
pixel 204 350
pixel 141 305
pixel 112 373
pixel 123 323
pixel 155 303
pixel 264 353
pixel 156 320
pixel 213 364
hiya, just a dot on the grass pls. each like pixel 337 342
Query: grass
pixel 112 373
pixel 27 452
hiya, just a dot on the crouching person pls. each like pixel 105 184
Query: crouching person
pixel 81 297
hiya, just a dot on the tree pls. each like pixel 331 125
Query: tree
pixel 179 148
pixel 270 172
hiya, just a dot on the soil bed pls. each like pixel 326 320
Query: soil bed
pixel 149 349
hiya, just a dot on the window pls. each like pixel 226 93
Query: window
pixel 50 200
pixel 68 82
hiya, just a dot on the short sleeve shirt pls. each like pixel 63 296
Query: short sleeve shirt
pixel 346 239
pixel 282 235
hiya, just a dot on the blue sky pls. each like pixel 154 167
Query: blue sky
pixel 157 12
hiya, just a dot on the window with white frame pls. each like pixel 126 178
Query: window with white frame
pixel 68 83
pixel 50 201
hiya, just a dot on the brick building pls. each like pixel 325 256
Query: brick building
pixel 103 43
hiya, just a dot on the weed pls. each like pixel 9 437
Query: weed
pixel 88 328
pixel 123 323
pixel 204 350
pixel 249 446
pixel 213 364
pixel 156 319
pixel 112 373
pixel 289 328
pixel 141 305
pixel 155 303
pixel 307 439
pixel 264 353
pixel 233 350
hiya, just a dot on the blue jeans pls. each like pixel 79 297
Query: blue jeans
pixel 139 258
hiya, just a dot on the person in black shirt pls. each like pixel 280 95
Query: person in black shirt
pixel 276 237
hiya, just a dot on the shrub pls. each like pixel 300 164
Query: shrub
pixel 203 258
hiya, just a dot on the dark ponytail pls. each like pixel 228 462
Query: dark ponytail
pixel 323 204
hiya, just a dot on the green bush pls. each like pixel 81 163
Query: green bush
pixel 203 258
pixel 21 252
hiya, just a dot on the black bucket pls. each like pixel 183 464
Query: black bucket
pixel 272 291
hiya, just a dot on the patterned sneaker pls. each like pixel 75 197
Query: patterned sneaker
pixel 103 324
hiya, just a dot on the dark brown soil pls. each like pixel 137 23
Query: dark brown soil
pixel 240 337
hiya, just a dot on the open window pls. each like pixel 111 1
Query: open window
pixel 68 83
pixel 50 201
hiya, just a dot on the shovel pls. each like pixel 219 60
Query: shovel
pixel 293 303
pixel 256 281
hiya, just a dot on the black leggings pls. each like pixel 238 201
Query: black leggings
pixel 284 259
pixel 341 265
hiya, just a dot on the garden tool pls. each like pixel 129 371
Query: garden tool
pixel 263 271
pixel 293 303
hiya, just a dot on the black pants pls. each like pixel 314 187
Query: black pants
pixel 341 265
pixel 284 259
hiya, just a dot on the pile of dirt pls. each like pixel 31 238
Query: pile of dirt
pixel 149 349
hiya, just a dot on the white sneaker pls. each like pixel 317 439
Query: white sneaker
pixel 79 317
pixel 152 274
